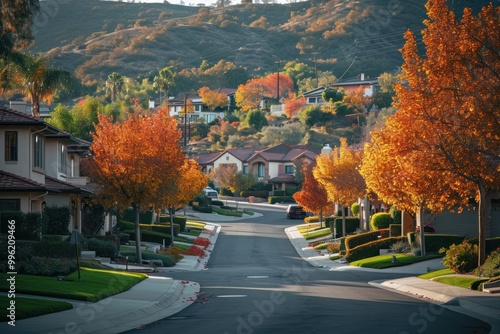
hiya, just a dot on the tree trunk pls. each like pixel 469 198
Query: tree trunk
pixel 483 215
pixel 321 218
pixel 420 215
pixel 172 212
pixel 343 220
pixel 138 253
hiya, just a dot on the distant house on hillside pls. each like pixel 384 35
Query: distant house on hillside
pixel 275 165
pixel 369 85
pixel 200 110
pixel 314 97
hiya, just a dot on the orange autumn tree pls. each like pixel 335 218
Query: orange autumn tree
pixel 250 95
pixel 190 182
pixel 136 162
pixel 338 173
pixel 212 98
pixel 293 105
pixel 313 196
pixel 402 174
pixel 454 91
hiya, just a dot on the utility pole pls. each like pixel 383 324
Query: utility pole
pixel 316 68
pixel 278 81
pixel 185 123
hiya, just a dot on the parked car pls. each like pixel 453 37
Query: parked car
pixel 295 211
pixel 209 192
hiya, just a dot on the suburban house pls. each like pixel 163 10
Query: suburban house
pixel 199 110
pixel 40 166
pixel 314 97
pixel 274 165
pixel 370 85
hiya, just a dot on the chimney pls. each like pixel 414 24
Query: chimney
pixel 362 77
pixel 327 150
pixel 21 106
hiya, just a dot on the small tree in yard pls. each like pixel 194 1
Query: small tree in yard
pixel 313 196
pixel 136 162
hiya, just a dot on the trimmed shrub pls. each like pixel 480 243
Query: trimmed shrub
pixel 434 242
pixel 461 258
pixel 217 202
pixel 204 209
pixel 144 217
pixel 58 219
pixel 44 266
pixel 491 268
pixel 380 220
pixel 255 193
pixel 329 221
pixel 124 238
pixel 312 219
pixel 161 228
pixel 354 241
pixel 371 249
pixel 395 230
pixel 355 208
pixel 351 224
pixel 290 191
pixel 151 236
pixel 102 248
pixel 280 199
pixel 279 193
pixel 58 250
pixel 492 245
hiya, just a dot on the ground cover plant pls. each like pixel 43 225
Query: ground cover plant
pixel 386 260
pixel 94 284
pixel 32 307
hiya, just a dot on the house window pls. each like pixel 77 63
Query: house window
pixel 261 170
pixel 38 151
pixel 10 145
pixel 289 170
pixel 245 169
pixel 311 100
pixel 10 204
pixel 63 158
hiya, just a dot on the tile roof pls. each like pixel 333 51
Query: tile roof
pixel 10 182
pixel 14 183
pixel 13 117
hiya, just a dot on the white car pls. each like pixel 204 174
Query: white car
pixel 209 192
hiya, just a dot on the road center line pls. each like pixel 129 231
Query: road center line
pixel 231 296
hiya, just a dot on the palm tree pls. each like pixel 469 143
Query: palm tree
pixel 164 80
pixel 115 85
pixel 39 80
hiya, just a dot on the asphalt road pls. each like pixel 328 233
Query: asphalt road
pixel 255 282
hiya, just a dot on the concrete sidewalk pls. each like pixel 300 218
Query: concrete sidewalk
pixel 483 306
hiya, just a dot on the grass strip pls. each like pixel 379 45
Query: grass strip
pixel 229 213
pixel 197 225
pixel 386 261
pixel 94 284
pixel 471 283
pixel 316 233
pixel 32 307
pixel 436 273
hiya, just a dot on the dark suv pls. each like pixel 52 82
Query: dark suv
pixel 295 211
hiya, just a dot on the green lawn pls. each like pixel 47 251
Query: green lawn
pixel 385 261
pixel 316 233
pixel 436 273
pixel 31 307
pixel 94 285
pixel 471 283
pixel 224 212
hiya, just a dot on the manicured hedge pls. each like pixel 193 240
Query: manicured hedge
pixel 178 220
pixel 255 193
pixel 354 241
pixel 280 199
pixel 161 228
pixel 395 230
pixel 204 209
pixel 102 248
pixel 351 224
pixel 434 242
pixel 151 236
pixel 371 249
pixel 144 217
